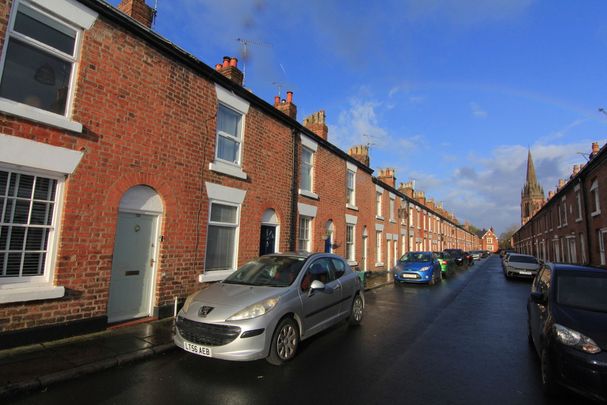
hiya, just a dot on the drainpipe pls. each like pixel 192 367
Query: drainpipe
pixel 294 190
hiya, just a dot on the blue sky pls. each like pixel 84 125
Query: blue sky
pixel 450 93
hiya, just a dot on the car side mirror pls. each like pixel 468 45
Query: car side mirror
pixel 318 285
pixel 538 297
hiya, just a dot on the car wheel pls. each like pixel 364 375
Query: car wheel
pixel 549 385
pixel 285 342
pixel 356 314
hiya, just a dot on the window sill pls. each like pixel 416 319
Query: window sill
pixel 308 194
pixel 379 217
pixel 392 221
pixel 29 292
pixel 578 220
pixel 595 213
pixel 225 168
pixel 38 115
pixel 352 262
pixel 379 264
pixel 216 275
pixel 352 207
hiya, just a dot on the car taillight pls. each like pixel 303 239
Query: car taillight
pixel 442 262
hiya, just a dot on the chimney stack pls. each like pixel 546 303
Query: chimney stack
pixel 229 68
pixel 317 124
pixel 139 11
pixel 388 176
pixel 595 149
pixel 550 194
pixel 407 188
pixel 576 169
pixel 561 184
pixel 360 153
pixel 420 196
pixel 286 106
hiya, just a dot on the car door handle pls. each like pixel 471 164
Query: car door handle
pixel 337 287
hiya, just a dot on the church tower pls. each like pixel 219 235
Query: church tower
pixel 532 195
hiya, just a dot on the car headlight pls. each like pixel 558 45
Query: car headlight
pixel 575 339
pixel 426 268
pixel 255 310
pixel 188 302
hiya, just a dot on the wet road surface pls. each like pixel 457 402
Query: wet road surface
pixel 463 341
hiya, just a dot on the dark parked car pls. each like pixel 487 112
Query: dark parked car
pixel 567 321
pixel 457 255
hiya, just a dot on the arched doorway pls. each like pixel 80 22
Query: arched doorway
pixel 270 232
pixel 135 252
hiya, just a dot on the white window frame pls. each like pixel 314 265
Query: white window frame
pixel 564 203
pixel 311 146
pixel 594 192
pixel 350 189
pixel 582 248
pixel 223 195
pixel 65 12
pixel 378 249
pixel 351 244
pixel 578 199
pixel 229 100
pixel 392 203
pixel 30 288
pixel 378 204
pixel 304 228
pixel 571 248
pixel 602 232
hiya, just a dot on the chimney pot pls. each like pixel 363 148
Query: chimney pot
pixel 226 61
pixel 234 62
pixel 289 97
pixel 276 100
pixel 218 66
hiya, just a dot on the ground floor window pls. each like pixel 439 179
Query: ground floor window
pixel 221 237
pixel 350 255
pixel 378 247
pixel 303 235
pixel 28 208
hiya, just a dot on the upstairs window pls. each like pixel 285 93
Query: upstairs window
pixel 564 200
pixel 38 67
pixel 229 138
pixel 595 205
pixel 350 191
pixel 392 210
pixel 378 203
pixel 307 169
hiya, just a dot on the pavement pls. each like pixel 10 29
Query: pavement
pixel 34 367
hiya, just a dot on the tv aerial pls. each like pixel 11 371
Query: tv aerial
pixel 244 52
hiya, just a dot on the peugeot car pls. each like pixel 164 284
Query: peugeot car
pixel 267 306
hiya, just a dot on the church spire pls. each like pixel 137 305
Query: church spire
pixel 532 195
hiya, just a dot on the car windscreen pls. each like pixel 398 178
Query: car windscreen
pixel 582 290
pixel 272 271
pixel 413 257
pixel 522 259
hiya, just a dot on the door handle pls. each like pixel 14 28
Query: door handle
pixel 337 287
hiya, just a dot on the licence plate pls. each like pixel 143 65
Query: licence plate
pixel 197 349
pixel 526 273
pixel 409 276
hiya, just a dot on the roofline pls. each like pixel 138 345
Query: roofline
pixel 591 164
pixel 168 48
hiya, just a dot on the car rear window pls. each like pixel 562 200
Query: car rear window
pixel 522 259
pixel 582 290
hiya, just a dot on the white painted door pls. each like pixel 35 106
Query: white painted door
pixel 132 267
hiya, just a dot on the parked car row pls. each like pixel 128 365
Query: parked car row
pixel 429 267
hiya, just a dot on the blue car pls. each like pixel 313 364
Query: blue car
pixel 417 267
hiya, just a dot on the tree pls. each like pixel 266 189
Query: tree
pixel 506 237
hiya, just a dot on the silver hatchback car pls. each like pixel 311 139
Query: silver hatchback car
pixel 265 308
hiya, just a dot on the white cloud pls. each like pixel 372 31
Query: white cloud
pixel 477 111
pixel 358 124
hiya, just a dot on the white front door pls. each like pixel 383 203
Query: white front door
pixel 132 267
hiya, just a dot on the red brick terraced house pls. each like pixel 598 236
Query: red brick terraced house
pixel 132 174
pixel 490 241
pixel 571 226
